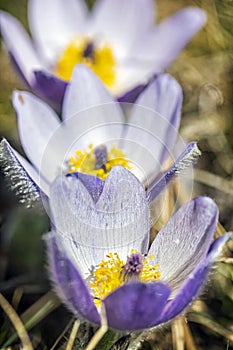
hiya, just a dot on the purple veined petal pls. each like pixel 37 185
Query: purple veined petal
pixel 136 305
pixel 194 282
pixel 124 203
pixel 91 231
pixel 19 46
pixel 161 46
pixel 93 184
pixel 37 122
pixel 53 23
pixel 118 22
pixel 160 118
pixel 184 241
pixel 49 87
pixel 85 91
pixel 23 178
pixel 68 282
pixel 184 161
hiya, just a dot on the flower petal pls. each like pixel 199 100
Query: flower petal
pixel 68 282
pixel 184 241
pixel 123 201
pixel 53 23
pixel 22 177
pixel 160 47
pixel 184 161
pixel 131 95
pixel 93 184
pixel 85 91
pixel 118 222
pixel 37 122
pixel 136 305
pixel 19 46
pixel 91 114
pixel 118 22
pixel 160 118
pixel 194 282
pixel 49 87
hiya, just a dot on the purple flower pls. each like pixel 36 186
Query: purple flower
pixel 92 117
pixel 99 251
pixel 118 40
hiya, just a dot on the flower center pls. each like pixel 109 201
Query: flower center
pixel 82 50
pixel 97 161
pixel 114 272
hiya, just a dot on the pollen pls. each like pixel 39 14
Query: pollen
pixel 113 272
pixel 97 161
pixel 82 50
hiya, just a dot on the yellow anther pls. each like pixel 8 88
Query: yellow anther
pixel 101 61
pixel 85 162
pixel 109 275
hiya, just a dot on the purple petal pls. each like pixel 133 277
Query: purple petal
pixel 53 23
pixel 160 47
pixel 68 282
pixel 20 46
pixel 184 241
pixel 118 22
pixel 185 160
pixel 130 96
pixel 93 184
pixel 136 305
pixel 195 281
pixel 50 88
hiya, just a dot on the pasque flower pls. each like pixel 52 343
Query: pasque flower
pixel 117 40
pixel 99 251
pixel 94 134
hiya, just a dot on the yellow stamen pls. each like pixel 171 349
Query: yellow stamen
pixel 101 62
pixel 85 162
pixel 109 275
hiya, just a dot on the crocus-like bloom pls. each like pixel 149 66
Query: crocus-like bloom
pixel 117 40
pixel 99 251
pixel 92 117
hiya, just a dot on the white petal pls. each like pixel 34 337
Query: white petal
pixel 37 122
pixel 86 91
pixel 19 45
pixel 53 23
pixel 162 100
pixel 157 49
pixel 184 241
pixel 122 23
pixel 118 222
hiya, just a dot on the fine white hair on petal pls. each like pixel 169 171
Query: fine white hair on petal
pixel 184 241
pixel 118 222
pixel 189 159
pixel 18 177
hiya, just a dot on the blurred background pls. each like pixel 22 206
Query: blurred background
pixel 205 71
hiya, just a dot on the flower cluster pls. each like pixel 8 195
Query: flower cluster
pixel 91 258
pixel 117 40
pixel 100 163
